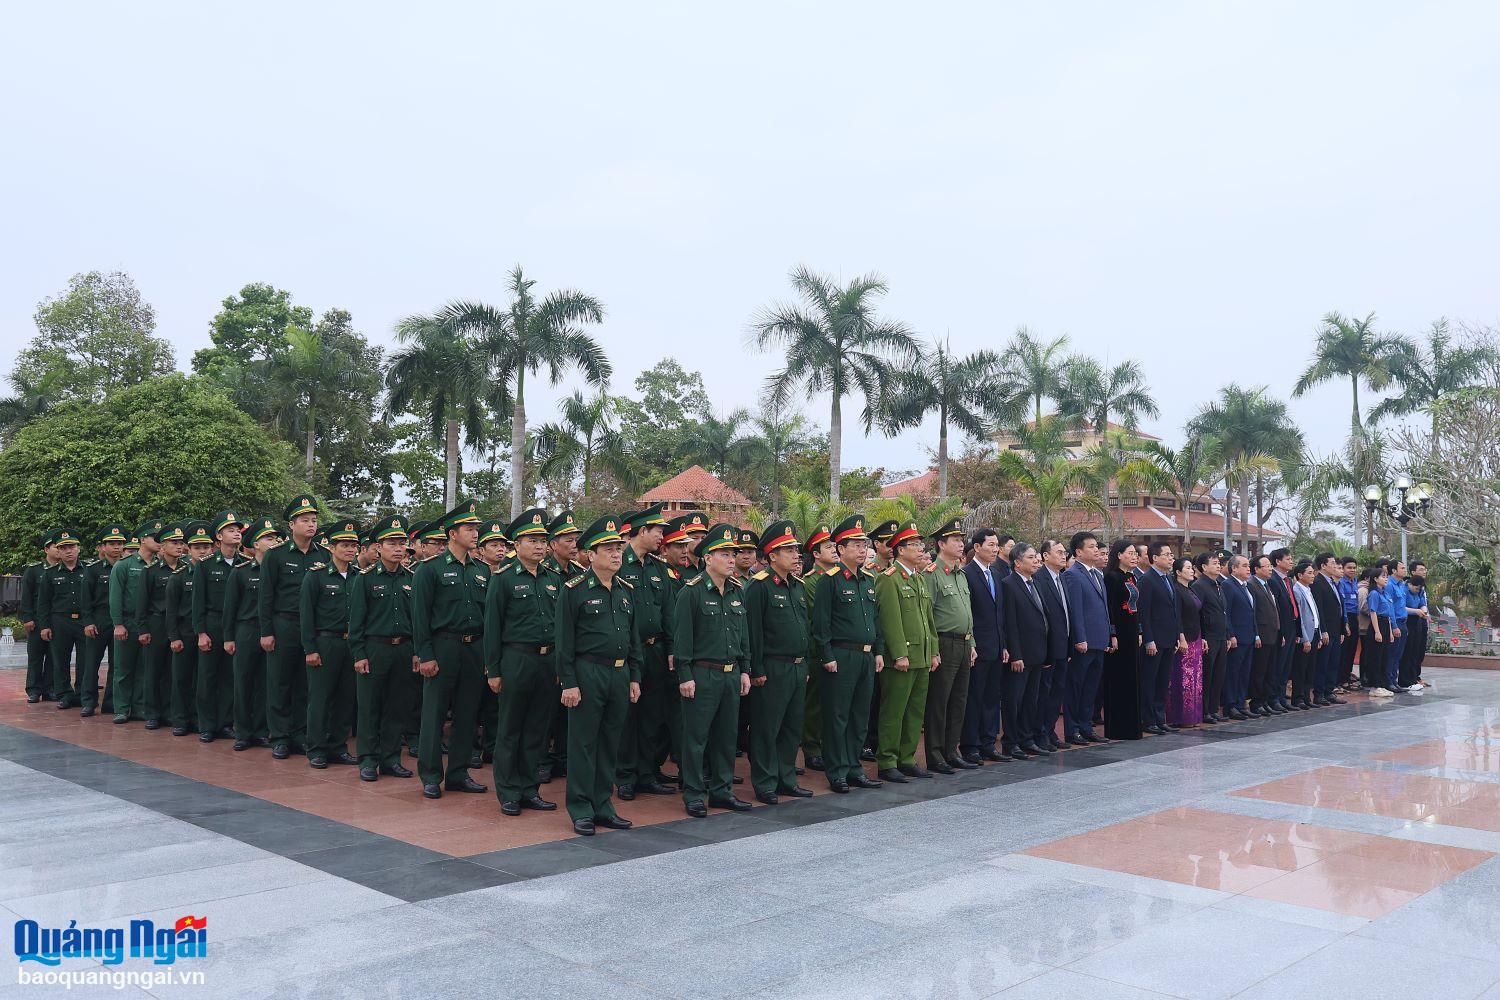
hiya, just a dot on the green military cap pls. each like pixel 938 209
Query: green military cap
pixel 490 531
pixel 720 536
pixel 778 534
pixel 346 530
pixel 132 543
pixel 224 519
pixel 692 523
pixel 321 539
pixel 529 522
pixel 744 539
pixel 394 526
pixel 850 528
pixel 633 520
pixel 197 531
pixel 303 504
pixel 62 536
pixel 466 512
pixel 433 531
pixel 602 532
pixel 950 528
pixel 113 533
pixel 905 532
pixel 151 529
pixel 882 532
pixel 171 533
pixel 260 528
pixel 820 534
pixel 563 524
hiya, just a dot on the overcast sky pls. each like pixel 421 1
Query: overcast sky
pixel 1192 185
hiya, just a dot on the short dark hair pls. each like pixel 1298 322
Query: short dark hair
pixel 1201 560
pixel 1180 562
pixel 1321 559
pixel 1048 545
pixel 1006 538
pixel 1079 538
pixel 1279 554
pixel 1154 549
pixel 978 538
pixel 1303 565
pixel 1235 559
pixel 1347 560
pixel 1019 552
pixel 1415 563
pixel 1258 559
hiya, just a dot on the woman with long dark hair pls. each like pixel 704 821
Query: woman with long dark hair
pixel 1185 684
pixel 1373 673
pixel 1122 719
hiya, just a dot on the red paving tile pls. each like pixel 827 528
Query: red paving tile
pixel 1471 754
pixel 1411 797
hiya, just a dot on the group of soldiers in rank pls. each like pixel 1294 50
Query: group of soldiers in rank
pixel 545 648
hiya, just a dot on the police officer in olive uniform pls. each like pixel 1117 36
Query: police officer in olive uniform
pixel 215 664
pixel 948 688
pixel 280 594
pixel 647 738
pixel 713 650
pixel 98 632
pixel 241 626
pixel 848 653
pixel 520 632
pixel 562 544
pixel 777 624
pixel 448 628
pixel 823 555
pixel 151 612
pixel 38 663
pixel 599 668
pixel 60 612
pixel 385 677
pixel 491 551
pixel 323 617
pixel 181 635
pixel 904 609
pixel 127 659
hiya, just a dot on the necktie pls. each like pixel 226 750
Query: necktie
pixel 1292 594
pixel 1035 597
pixel 1057 582
pixel 989 578
pixel 1097 580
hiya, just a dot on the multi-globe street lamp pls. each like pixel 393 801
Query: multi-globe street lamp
pixel 1401 502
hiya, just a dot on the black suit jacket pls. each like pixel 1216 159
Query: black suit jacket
pixel 1330 605
pixel 1214 615
pixel 989 615
pixel 1002 568
pixel 1025 623
pixel 1284 608
pixel 1159 619
pixel 1057 632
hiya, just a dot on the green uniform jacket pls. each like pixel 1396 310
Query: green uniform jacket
pixel 180 605
pixel 653 595
pixel 124 591
pixel 904 605
pixel 951 610
pixel 519 607
pixel 446 596
pixel 844 612
pixel 281 574
pixel 31 578
pixel 596 622
pixel 151 599
pixel 711 625
pixel 208 592
pixel 777 619
pixel 379 605
pixel 323 605
pixel 60 592
pixel 96 595
pixel 242 598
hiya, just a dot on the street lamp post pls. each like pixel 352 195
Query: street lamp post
pixel 1401 503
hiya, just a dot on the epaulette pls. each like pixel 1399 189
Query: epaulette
pixel 889 570
pixel 627 583
pixel 658 558
pixel 833 571
pixel 577 565
pixel 369 569
pixel 762 575
pixel 575 581
pixel 866 571
pixel 930 568
pixel 87 562
pixel 317 566
pixel 431 557
pixel 737 581
pixel 672 572
pixel 694 580
pixel 240 561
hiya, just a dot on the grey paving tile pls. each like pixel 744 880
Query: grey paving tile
pixel 434 878
pixel 1359 967
pixel 329 902
pixel 1063 983
pixel 1461 917
pixel 539 860
pixel 355 859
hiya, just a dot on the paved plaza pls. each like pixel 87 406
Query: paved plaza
pixel 1343 852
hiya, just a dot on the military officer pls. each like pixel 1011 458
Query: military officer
pixel 880 538
pixel 447 627
pixel 647 739
pixel 98 633
pixel 821 552
pixel 151 612
pixel 562 544
pixel 777 626
pixel 323 618
pixel 849 650
pixel 369 552
pixel 953 615
pixel 38 663
pixel 493 545
pixel 127 657
pixel 241 626
pixel 215 682
pixel 60 612
pixel 433 540
pixel 599 668
pixel 745 553
pixel 181 636
pixel 416 551
pixel 279 593
pixel 519 636
pixel 904 609
pixel 493 552
pixel 385 677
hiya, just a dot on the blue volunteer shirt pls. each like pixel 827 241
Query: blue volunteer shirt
pixel 1396 592
pixel 1349 595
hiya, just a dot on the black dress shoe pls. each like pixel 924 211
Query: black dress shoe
pixel 466 784
pixel 120 720
pixel 1036 751
pixel 242 745
pixel 838 785
pixel 583 827
pixel 179 730
pixel 676 779
pixel 733 803
pixel 320 762
pixel 1019 754
pixel 395 770
pixel 655 788
pixel 510 807
pixel 206 737
pixel 153 723
pixel 815 763
pixel 626 792
pixel 697 810
pixel 863 780
pixel 972 758
pixel 1076 741
pixel 892 774
pixel 32 699
pixel 989 754
pixel 960 763
pixel 914 771
pixel 87 713
pixel 538 803
pixel 226 732
pixel 411 752
pixel 800 771
pixel 368 774
pixel 1238 714
pixel 261 741
pixel 943 767
pixel 344 757
pixel 796 792
pixel 1159 730
pixel 613 822
pixel 432 791
pixel 738 780
pixel 867 754
pixel 769 798
pixel 280 751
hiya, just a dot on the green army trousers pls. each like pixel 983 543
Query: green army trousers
pixel 647 737
pixel 903 707
pixel 384 695
pixel 594 738
pixel 156 677
pixel 947 698
pixel 67 639
pixel 710 721
pixel 846 698
pixel 38 664
pixel 215 686
pixel 127 674
pixel 812 719
pixel 249 684
pixel 776 709
pixel 184 701
pixel 94 650
pixel 330 697
pixel 457 685
pixel 286 685
pixel 528 691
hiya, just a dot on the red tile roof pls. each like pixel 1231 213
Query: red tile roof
pixel 1154 521
pixel 924 485
pixel 697 484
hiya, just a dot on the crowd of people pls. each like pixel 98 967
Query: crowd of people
pixel 601 654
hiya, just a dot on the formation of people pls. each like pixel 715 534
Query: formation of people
pixel 602 653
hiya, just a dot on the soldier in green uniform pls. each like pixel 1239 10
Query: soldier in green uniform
pixel 647 738
pixel 948 688
pixel 181 635
pixel 448 626
pixel 880 542
pixel 323 617
pixel 848 653
pixel 777 623
pixel 127 657
pixel 60 612
pixel 385 667
pixel 369 552
pixel 821 551
pixel 280 593
pixel 241 628
pixel 491 551
pixel 98 632
pixel 428 542
pixel 519 636
pixel 38 663
pixel 599 668
pixel 562 545
pixel 215 682
pixel 745 552
pixel 151 613
pixel 904 609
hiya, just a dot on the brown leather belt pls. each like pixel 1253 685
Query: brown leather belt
pixel 330 633
pixel 782 659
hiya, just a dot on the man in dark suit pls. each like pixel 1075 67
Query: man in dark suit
pixel 988 678
pixel 1002 561
pixel 1291 624
pixel 1090 636
pixel 1239 613
pixel 1331 617
pixel 1028 643
pixel 1161 636
pixel 1267 641
pixel 1053 685
pixel 1209 588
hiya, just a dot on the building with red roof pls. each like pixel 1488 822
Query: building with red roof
pixel 695 488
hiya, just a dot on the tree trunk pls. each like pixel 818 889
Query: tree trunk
pixel 835 449
pixel 1260 513
pixel 518 443
pixel 1244 519
pixel 1227 488
pixel 942 458
pixel 1185 500
pixel 450 485
pixel 312 430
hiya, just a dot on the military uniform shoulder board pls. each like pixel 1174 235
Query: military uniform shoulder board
pixel 577 565
pixel 889 570
pixel 627 583
pixel 694 580
pixel 87 562
pixel 737 581
pixel 431 557
pixel 575 581
pixel 930 568
pixel 761 575
pixel 866 571
pixel 317 566
pixel 832 571
pixel 370 568
pixel 672 572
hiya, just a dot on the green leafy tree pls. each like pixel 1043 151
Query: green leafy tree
pixel 1094 395
pixel 249 327
pixel 1250 433
pixel 1349 348
pixel 304 381
pixel 1030 372
pixel 1117 464
pixel 655 426
pixel 716 442
pixel 1040 465
pixel 808 509
pixel 956 390
pixel 929 516
pixel 1184 470
pixel 584 443
pixel 769 451
pixel 170 447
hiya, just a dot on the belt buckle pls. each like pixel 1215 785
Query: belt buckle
pixel 468 639
pixel 395 640
pixel 797 660
pixel 968 636
pixel 866 648
pixel 75 616
pixel 619 663
pixel 543 650
pixel 651 641
pixel 728 667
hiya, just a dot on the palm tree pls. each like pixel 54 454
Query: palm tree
pixel 808 510
pixel 443 376
pixel 586 439
pixel 929 518
pixel 1121 458
pixel 833 342
pixel 531 336
pixel 958 390
pixel 1031 371
pixel 301 381
pixel 31 399
pixel 717 442
pixel 1094 396
pixel 1039 464
pixel 778 436
pixel 1248 432
pixel 1349 348
pixel 1185 469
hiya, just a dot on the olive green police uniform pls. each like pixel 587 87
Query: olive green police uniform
pixel 598 653
pixel 96 614
pixel 647 738
pixel 844 633
pixel 242 622
pixel 520 633
pixel 489 702
pixel 777 625
pixel 556 762
pixel 948 689
pixel 215 666
pixel 713 650
pixel 127 657
pixel 380 638
pixel 183 638
pixel 904 608
pixel 151 612
pixel 812 714
pixel 280 595
pixel 448 626
pixel 60 609
pixel 38 663
pixel 323 617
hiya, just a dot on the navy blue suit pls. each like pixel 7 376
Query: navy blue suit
pixel 1088 623
pixel 1052 685
pixel 1239 609
pixel 1027 641
pixel 987 679
pixel 1161 624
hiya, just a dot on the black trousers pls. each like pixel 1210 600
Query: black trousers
pixel 1262 668
pixel 1156 671
pixel 982 714
pixel 1018 698
pixel 1416 648
pixel 1349 647
pixel 1215 662
pixel 1302 670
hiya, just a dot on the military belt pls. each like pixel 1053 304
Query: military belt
pixel 859 647
pixel 651 640
pixel 464 637
pixel 529 647
pixel 780 658
pixel 332 633
pixel 714 665
pixel 603 661
pixel 388 640
pixel 289 616
pixel 74 615
pixel 962 636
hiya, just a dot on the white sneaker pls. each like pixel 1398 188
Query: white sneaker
pixel 1381 693
pixel 1414 689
